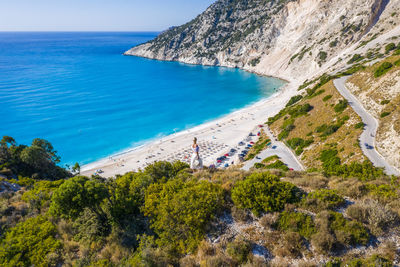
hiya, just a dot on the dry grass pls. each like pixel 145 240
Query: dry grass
pixel 323 112
pixel 352 187
pixel 309 181
pixel 371 92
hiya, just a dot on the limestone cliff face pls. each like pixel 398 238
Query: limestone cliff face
pixel 283 38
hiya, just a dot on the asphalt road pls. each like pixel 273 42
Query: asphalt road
pixel 277 148
pixel 367 138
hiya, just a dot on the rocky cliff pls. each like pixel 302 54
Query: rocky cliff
pixel 283 38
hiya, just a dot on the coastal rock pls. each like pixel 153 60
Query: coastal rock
pixel 288 39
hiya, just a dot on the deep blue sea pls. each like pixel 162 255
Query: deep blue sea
pixel 79 92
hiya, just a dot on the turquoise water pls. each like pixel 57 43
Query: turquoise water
pixel 79 92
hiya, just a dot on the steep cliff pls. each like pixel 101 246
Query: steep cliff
pixel 283 38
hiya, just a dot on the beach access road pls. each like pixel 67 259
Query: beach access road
pixel 367 138
pixel 276 148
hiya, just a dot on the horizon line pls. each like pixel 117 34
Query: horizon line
pixel 1 31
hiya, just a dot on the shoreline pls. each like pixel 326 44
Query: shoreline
pixel 216 137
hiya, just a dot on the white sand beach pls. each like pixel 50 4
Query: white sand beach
pixel 215 138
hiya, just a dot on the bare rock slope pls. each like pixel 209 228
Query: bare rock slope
pixel 294 40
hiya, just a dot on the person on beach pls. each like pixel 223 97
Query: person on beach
pixel 196 162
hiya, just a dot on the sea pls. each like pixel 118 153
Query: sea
pixel 78 91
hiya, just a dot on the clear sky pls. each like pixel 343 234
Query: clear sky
pixel 97 15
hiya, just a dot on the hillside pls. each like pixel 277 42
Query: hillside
pixel 302 42
pixel 340 211
pixel 294 40
pixel 329 122
pixel 380 94
pixel 168 215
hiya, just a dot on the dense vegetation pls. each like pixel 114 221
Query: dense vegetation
pixel 166 214
pixel 262 192
pixel 39 160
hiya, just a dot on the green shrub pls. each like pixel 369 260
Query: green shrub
pixel 294 100
pixel 127 194
pixel 323 199
pixel 326 98
pixel 385 114
pixel 39 160
pixel 300 110
pixel 359 125
pixel 279 165
pixel 299 144
pixel 382 69
pixel 397 62
pixel 333 263
pixel 389 47
pixel 327 130
pixel 263 192
pixel 328 154
pixel 296 222
pixel 345 232
pixel 342 105
pixel 23 181
pixel 259 146
pixel 89 228
pixel 383 192
pixel 331 165
pixel 288 124
pixel 333 43
pixel 29 243
pixel 294 111
pixel 273 119
pixel 270 158
pixel 355 58
pixel 353 69
pixel 255 61
pixel 378 260
pixel 374 260
pixel 76 194
pixel 40 195
pixel 284 134
pixel 259 165
pixel 164 170
pixel 322 55
pixel 180 212
pixel 287 127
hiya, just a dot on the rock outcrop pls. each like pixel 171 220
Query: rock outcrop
pixel 8 187
pixel 287 39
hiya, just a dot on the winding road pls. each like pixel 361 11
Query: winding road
pixel 367 138
pixel 277 148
